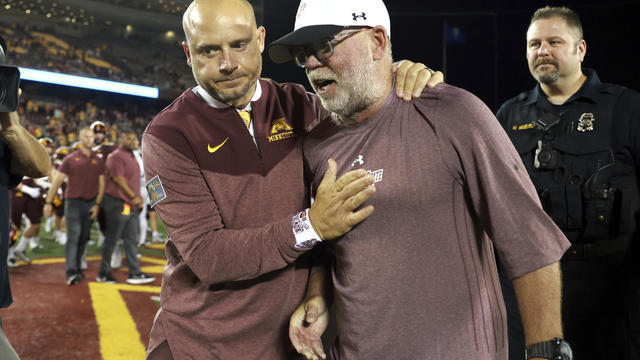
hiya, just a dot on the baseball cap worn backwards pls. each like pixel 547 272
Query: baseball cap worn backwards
pixel 317 19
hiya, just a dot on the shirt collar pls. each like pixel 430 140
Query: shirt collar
pixel 589 90
pixel 211 101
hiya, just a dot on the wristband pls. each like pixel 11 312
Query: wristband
pixel 306 236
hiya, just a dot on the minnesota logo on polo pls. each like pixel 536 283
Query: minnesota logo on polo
pixel 280 130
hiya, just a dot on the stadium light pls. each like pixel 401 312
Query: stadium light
pixel 88 83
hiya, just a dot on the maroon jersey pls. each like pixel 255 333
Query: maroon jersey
pixel 122 162
pixel 233 276
pixel 23 203
pixel 82 174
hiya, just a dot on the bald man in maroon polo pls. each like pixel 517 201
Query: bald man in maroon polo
pixel 84 172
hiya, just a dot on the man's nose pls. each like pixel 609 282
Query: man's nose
pixel 228 62
pixel 312 62
pixel 544 49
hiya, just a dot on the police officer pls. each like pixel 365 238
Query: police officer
pixel 580 141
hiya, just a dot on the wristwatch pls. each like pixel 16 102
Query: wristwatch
pixel 554 349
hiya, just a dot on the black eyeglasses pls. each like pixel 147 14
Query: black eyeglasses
pixel 322 49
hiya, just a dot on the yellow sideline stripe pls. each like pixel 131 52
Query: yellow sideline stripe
pixel 152 269
pixel 58 260
pixel 119 338
pixel 155 246
pixel 153 260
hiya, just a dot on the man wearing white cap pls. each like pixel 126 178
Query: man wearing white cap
pixel 418 279
pixel 225 174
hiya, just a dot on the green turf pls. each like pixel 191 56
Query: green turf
pixel 52 249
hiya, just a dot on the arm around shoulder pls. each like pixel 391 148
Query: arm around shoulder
pixel 188 209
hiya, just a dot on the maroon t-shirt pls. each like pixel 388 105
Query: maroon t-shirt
pixel 122 162
pixel 83 174
pixel 417 279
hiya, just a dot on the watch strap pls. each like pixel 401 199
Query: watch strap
pixel 545 349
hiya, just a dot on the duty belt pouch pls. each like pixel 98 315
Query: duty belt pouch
pixel 602 212
pixel 564 205
pixel 574 205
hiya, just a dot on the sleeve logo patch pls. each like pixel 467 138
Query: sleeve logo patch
pixel 155 190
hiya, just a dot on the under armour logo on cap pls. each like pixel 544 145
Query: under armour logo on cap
pixel 319 19
pixel 363 16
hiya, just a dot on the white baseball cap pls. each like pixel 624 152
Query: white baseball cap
pixel 317 19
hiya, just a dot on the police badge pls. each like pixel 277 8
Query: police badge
pixel 585 123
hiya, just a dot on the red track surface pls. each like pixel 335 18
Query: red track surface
pixel 50 320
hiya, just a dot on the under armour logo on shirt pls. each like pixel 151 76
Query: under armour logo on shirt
pixel 363 16
pixel 359 161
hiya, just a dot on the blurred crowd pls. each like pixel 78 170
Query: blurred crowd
pixel 32 48
pixel 61 121
pixel 162 6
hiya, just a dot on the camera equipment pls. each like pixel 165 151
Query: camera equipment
pixel 9 82
pixel 546 156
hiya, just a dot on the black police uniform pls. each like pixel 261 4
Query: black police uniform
pixel 583 158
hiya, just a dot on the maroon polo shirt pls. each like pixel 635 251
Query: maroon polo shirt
pixel 232 279
pixel 122 162
pixel 82 174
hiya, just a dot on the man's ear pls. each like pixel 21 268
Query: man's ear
pixel 260 35
pixel 582 49
pixel 379 43
pixel 185 47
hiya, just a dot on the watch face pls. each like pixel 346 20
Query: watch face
pixel 564 350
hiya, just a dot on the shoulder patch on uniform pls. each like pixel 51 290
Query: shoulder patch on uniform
pixel 155 190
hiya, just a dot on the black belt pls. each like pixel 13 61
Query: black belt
pixel 596 249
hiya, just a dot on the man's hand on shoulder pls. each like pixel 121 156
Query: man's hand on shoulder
pixel 412 78
pixel 333 212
